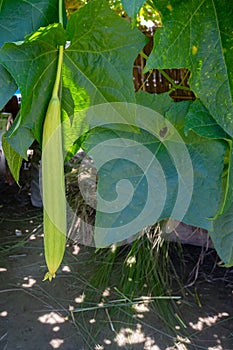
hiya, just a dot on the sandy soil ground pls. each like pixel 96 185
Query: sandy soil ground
pixel 42 315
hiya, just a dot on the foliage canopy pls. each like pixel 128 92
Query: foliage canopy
pixel 97 68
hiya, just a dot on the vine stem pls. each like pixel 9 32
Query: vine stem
pixel 143 55
pixel 166 76
pixel 174 85
pixel 60 9
pixel 145 81
pixel 60 55
pixel 58 75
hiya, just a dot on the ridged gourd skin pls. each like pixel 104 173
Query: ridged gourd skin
pixel 54 200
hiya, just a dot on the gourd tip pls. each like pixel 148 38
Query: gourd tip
pixel 49 276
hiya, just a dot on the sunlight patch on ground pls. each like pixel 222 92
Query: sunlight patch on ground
pixel 106 292
pixel 178 346
pixel 80 299
pixel 207 321
pixel 66 268
pixel 99 347
pixel 3 313
pixel 141 307
pixel 56 343
pixel 180 343
pixel 128 336
pixel 30 282
pixel 71 308
pixel 76 249
pixel 91 321
pixel 51 318
pixel 34 233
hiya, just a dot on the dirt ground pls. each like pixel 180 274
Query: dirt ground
pixel 42 315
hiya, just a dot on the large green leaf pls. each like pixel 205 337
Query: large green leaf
pixel 101 54
pixel 201 122
pixel 222 230
pixel 222 236
pixel 161 102
pixel 14 159
pixel 198 35
pixel 97 65
pixel 19 139
pixel 19 18
pixel 208 163
pixel 33 65
pixel 132 7
pixel 7 86
pixel 125 153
